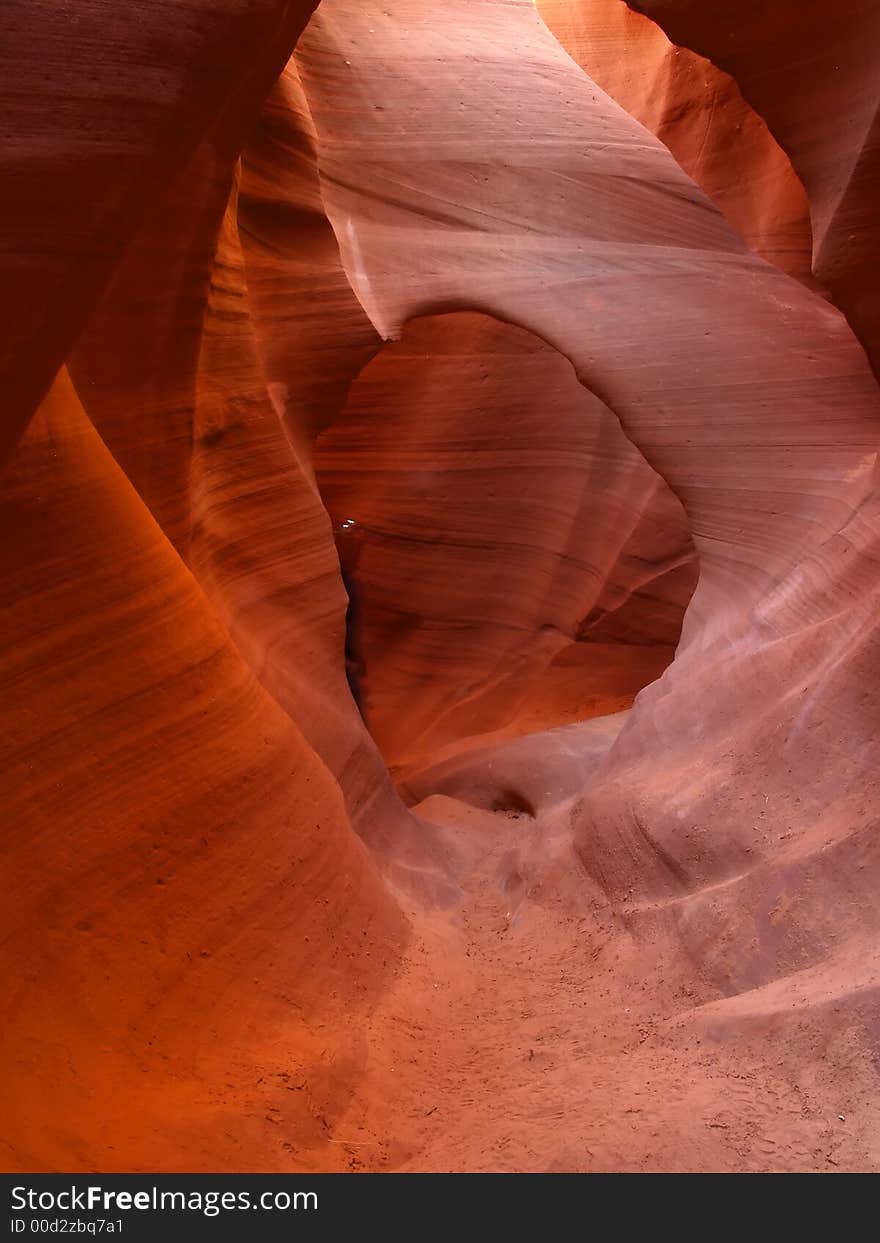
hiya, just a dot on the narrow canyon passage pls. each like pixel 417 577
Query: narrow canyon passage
pixel 519 574
pixel 438 594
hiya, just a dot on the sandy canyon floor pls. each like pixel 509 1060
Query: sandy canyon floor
pixel 532 1028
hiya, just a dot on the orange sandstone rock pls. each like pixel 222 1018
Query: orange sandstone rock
pixel 809 69
pixel 430 276
pixel 698 112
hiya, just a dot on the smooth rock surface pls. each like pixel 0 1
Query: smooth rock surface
pixel 699 113
pixel 810 70
pixel 614 912
pixel 507 526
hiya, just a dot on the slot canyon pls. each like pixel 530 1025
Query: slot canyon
pixel 439 667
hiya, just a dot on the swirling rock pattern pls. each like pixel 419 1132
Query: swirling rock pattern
pixel 509 529
pixel 410 264
pixel 142 762
pixel 699 113
pixel 805 68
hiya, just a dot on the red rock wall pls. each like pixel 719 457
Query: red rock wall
pixel 105 116
pixel 745 391
pixel 809 69
pixel 504 517
pixel 189 784
pixel 186 879
pixel 171 827
pixel 183 337
pixel 699 113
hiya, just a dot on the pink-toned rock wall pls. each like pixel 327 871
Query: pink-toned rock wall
pixel 205 273
pixel 744 390
pixel 698 112
pixel 810 70
pixel 173 368
pixel 504 517
pixel 181 853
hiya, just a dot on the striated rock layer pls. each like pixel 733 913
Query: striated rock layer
pixel 102 122
pixel 699 113
pixel 431 278
pixel 743 390
pixel 809 69
pixel 509 530
pixel 143 763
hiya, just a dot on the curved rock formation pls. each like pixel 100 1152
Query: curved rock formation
pixel 142 764
pixel 229 481
pixel 810 71
pixel 698 112
pixel 104 120
pixel 429 277
pixel 513 539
